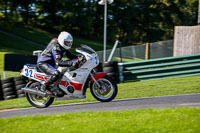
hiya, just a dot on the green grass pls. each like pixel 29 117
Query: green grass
pixel 14 45
pixel 2 59
pixel 9 44
pixel 7 73
pixel 33 34
pixel 126 59
pixel 175 120
pixel 44 37
pixel 176 86
pixel 181 120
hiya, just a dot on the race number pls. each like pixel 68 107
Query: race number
pixel 29 73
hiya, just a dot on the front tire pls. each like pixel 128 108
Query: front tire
pixel 38 101
pixel 108 89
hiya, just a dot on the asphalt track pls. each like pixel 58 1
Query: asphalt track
pixel 188 100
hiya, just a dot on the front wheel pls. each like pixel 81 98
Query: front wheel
pixel 38 101
pixel 106 92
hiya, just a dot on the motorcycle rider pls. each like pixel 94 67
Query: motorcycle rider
pixel 52 57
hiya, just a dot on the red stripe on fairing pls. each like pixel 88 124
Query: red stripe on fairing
pixel 38 76
pixel 99 75
pixel 77 86
pixel 62 82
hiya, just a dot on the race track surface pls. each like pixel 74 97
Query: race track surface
pixel 189 100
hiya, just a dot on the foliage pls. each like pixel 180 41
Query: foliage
pixel 131 21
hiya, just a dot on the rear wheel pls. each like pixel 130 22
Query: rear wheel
pixel 108 90
pixel 38 101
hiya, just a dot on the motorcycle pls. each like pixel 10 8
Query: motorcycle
pixel 73 82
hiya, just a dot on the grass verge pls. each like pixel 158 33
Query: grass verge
pixel 176 120
pixel 44 37
pixel 14 45
pixel 7 73
pixel 152 88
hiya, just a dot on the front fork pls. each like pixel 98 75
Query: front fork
pixel 97 83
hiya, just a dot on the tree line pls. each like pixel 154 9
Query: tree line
pixel 131 21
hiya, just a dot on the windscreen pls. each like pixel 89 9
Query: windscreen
pixel 86 50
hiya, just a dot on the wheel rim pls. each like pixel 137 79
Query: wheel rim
pixel 107 90
pixel 38 100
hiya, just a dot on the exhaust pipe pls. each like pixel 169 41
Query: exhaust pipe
pixel 34 92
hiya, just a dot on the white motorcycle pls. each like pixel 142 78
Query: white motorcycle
pixel 72 83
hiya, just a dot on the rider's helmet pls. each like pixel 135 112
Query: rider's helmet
pixel 65 39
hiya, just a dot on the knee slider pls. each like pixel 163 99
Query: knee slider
pixel 55 76
pixel 56 72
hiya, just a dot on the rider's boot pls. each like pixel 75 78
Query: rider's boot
pixel 54 77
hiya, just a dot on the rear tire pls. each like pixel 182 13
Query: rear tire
pixel 109 92
pixel 38 101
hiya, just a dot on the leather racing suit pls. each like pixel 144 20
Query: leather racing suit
pixel 52 57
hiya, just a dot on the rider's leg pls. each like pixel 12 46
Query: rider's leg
pixel 49 70
pixel 54 77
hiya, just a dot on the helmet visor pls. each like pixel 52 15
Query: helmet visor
pixel 68 43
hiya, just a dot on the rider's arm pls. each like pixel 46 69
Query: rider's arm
pixel 70 55
pixel 56 51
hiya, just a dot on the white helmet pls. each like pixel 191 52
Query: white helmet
pixel 65 39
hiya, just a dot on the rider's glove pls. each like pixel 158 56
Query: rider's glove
pixel 75 63
pixel 80 58
pixel 67 63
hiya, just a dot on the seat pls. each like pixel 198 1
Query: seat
pixel 34 66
